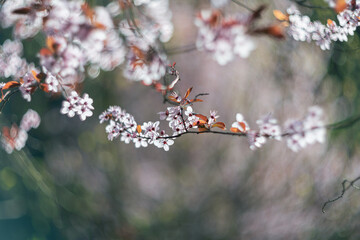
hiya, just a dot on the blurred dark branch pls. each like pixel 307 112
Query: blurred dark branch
pixel 200 94
pixel 181 49
pixel 304 4
pixel 344 123
pixel 166 100
pixel 243 5
pixel 344 189
pixel 347 50
pixel 7 98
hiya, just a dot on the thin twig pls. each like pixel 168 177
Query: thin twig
pixel 344 189
pixel 243 5
pixel 181 49
pixel 182 118
pixel 200 94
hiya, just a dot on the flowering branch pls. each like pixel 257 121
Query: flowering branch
pixel 80 38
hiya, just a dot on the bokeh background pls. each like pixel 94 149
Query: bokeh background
pixel 70 182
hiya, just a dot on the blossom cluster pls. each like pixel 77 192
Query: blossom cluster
pixel 16 137
pixel 74 104
pixel 299 133
pixel 224 37
pixel 11 63
pixel 79 37
pixel 301 28
pixel 310 130
pixel 123 125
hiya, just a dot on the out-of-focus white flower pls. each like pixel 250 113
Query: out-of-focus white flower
pixel 310 130
pixel 31 119
pixel 219 3
pixel 164 143
pixel 301 28
pixel 224 37
pixel 16 137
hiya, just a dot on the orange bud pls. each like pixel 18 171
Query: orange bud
pixel 202 117
pixel 330 22
pixel 138 128
pixel 280 16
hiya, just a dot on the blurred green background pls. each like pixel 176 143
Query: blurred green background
pixel 70 182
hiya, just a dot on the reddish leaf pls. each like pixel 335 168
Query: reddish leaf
pixel 243 125
pixel 23 11
pixel 11 84
pixel 202 117
pixel 188 92
pixel 3 96
pixel 235 130
pixel 280 16
pixel 276 31
pixel 202 129
pixel 6 132
pixel 340 6
pixel 45 52
pixel 99 26
pixel 172 98
pixel 199 123
pixel 41 76
pixel 52 44
pixel 44 87
pixel 196 100
pixel 138 53
pixel 35 75
pixel 88 11
pixel 220 125
pixel 138 62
